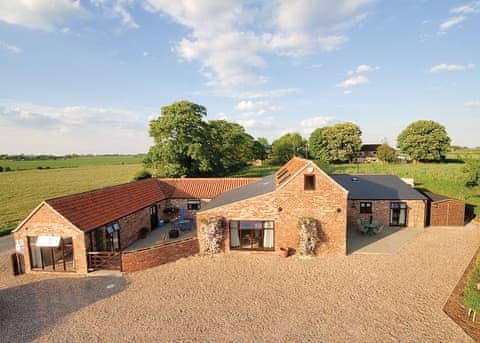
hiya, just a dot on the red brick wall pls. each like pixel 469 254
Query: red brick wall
pixel 321 204
pixel 150 257
pixel 447 213
pixel 131 225
pixel 180 203
pixel 327 203
pixel 416 211
pixel 46 222
pixel 259 208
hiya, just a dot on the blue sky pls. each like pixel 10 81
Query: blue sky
pixel 87 76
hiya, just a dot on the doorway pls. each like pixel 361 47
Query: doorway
pixel 398 214
pixel 153 217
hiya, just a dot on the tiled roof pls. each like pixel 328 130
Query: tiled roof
pixel 201 188
pixel 93 209
pixel 96 208
pixel 377 187
pixel 289 169
pixel 437 197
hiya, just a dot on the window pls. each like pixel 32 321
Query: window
pixel 309 184
pixel 366 207
pixel 193 204
pixel 51 253
pixel 398 214
pixel 251 235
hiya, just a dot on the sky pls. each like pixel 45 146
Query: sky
pixel 87 76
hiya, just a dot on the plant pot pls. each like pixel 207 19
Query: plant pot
pixel 284 252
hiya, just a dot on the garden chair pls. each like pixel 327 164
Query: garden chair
pixel 360 228
pixel 379 229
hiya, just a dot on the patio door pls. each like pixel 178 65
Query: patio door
pixel 251 235
pixel 153 217
pixel 398 214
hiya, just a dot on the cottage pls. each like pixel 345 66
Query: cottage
pixel 80 232
pixel 97 229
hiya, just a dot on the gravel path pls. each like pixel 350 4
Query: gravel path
pixel 245 297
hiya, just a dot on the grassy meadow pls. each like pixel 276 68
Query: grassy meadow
pixel 72 162
pixel 22 191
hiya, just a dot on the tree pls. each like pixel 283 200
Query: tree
pixel 340 142
pixel 386 153
pixel 424 140
pixel 261 149
pixel 142 174
pixel 286 147
pixel 231 148
pixel 471 171
pixel 181 145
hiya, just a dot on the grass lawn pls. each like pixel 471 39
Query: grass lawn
pixel 23 191
pixel 72 162
pixel 443 178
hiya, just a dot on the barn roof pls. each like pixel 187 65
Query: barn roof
pixel 377 187
pixel 92 209
pixel 437 197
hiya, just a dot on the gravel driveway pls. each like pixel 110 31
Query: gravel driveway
pixel 246 297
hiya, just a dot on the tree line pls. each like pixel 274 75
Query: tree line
pixel 185 144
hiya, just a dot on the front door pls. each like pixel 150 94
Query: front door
pixel 153 217
pixel 398 214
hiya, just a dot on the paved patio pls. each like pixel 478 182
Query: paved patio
pixel 389 241
pixel 160 236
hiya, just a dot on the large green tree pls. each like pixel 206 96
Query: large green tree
pixel 261 148
pixel 340 142
pixel 424 140
pixel 231 147
pixel 386 153
pixel 286 147
pixel 181 141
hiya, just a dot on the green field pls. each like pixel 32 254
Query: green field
pixel 443 178
pixel 22 191
pixel 73 162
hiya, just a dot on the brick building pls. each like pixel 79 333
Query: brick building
pixel 69 232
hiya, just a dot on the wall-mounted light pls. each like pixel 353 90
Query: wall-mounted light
pixel 280 209
pixel 339 210
pixel 310 170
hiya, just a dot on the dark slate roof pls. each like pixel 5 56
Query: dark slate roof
pixel 262 186
pixel 377 187
pixel 436 197
pixel 369 147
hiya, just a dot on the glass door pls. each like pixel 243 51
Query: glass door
pixel 398 214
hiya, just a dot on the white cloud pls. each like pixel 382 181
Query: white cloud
pixel 248 105
pixel 450 22
pixel 459 15
pixel 247 123
pixel 126 17
pixel 353 81
pixel 451 67
pixel 229 38
pixel 364 68
pixel 308 125
pixel 347 91
pixel 12 49
pixel 472 105
pixel 40 14
pixel 257 94
pixel 79 129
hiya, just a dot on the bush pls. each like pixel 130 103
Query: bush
pixel 1 169
pixel 212 234
pixel 7 169
pixel 471 293
pixel 142 174
pixel 309 235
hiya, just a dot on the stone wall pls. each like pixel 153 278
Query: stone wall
pixel 449 212
pixel 416 212
pixel 154 256
pixel 47 222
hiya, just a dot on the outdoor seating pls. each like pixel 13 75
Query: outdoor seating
pixel 361 228
pixel 379 229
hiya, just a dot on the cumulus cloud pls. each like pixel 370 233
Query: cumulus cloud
pixel 364 68
pixel 248 105
pixel 229 39
pixel 353 81
pixel 472 105
pixel 40 14
pixel 306 126
pixel 458 15
pixel 451 67
pixel 12 49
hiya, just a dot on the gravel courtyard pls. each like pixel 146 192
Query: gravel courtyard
pixel 246 297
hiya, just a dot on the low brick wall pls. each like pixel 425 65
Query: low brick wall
pixel 135 260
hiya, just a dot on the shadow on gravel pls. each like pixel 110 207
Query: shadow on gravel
pixel 28 310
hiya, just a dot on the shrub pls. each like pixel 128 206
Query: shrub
pixel 212 234
pixel 471 293
pixel 1 169
pixel 142 174
pixel 309 235
pixel 7 169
